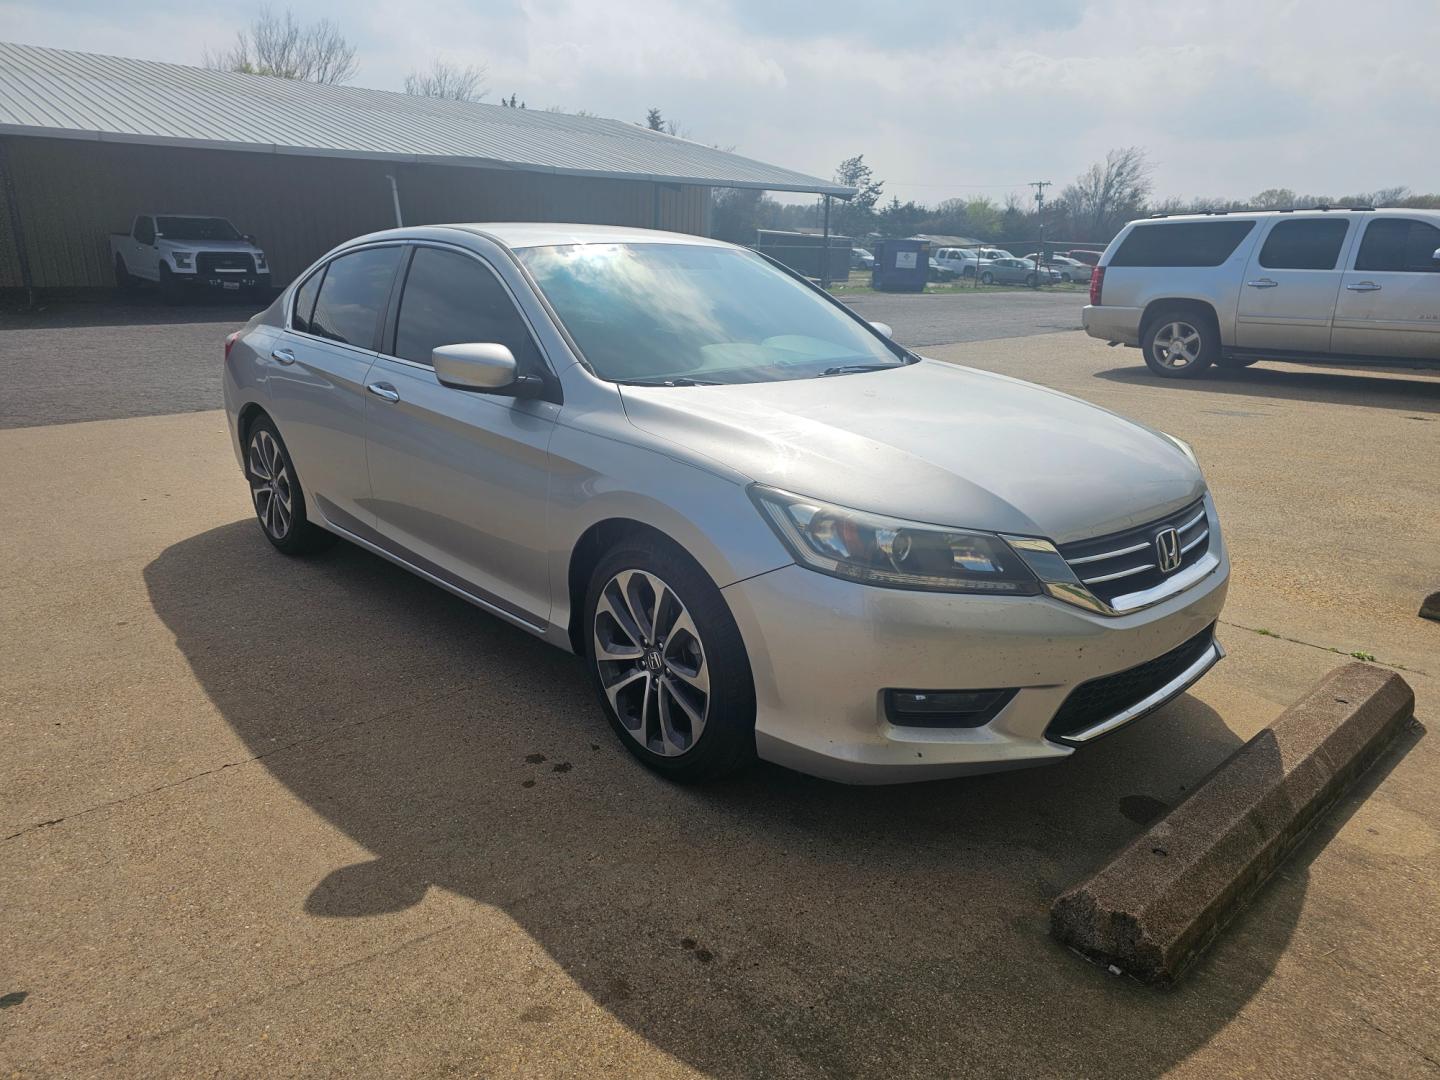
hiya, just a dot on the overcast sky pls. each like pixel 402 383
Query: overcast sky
pixel 943 98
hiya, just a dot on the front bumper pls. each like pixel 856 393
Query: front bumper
pixel 824 650
pixel 1109 323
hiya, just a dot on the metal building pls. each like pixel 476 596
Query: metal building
pixel 88 141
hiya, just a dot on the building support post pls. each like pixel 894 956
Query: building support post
pixel 395 197
pixel 17 229
pixel 825 254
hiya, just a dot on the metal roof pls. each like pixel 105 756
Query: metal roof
pixel 57 93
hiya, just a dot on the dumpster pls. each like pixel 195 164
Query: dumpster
pixel 901 266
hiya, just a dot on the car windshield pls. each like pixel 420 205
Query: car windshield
pixel 196 228
pixel 685 313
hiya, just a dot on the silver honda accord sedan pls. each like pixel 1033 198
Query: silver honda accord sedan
pixel 769 530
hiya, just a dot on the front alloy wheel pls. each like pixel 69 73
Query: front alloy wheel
pixel 651 663
pixel 1179 344
pixel 1176 345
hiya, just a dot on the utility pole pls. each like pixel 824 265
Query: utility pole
pixel 1040 186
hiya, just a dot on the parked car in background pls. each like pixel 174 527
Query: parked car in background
pixel 699 498
pixel 962 261
pixel 1014 271
pixel 1067 268
pixel 940 271
pixel 1089 258
pixel 994 253
pixel 184 251
pixel 861 259
pixel 1333 285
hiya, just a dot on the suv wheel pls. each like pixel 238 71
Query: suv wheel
pixel 1179 344
pixel 668 663
pixel 276 494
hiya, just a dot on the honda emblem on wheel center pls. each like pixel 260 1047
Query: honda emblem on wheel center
pixel 1167 550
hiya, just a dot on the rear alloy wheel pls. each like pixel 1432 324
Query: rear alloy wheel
pixel 1179 344
pixel 667 661
pixel 987 278
pixel 275 492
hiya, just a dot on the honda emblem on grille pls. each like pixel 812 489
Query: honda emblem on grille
pixel 1167 550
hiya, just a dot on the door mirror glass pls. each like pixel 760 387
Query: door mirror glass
pixel 884 329
pixel 474 366
pixel 1435 255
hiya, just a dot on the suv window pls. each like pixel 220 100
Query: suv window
pixel 353 294
pixel 1304 244
pixel 452 299
pixel 1399 244
pixel 1181 243
pixel 305 302
pixel 144 231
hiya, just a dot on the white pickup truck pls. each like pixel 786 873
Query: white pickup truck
pixel 179 251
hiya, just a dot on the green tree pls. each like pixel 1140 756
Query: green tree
pixel 856 216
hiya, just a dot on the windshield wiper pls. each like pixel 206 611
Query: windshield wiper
pixel 678 380
pixel 855 369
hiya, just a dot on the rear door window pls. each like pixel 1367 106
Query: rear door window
pixel 1399 245
pixel 452 299
pixel 353 295
pixel 305 302
pixel 1181 243
pixel 1304 244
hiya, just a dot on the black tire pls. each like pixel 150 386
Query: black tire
pixel 124 280
pixel 726 741
pixel 289 529
pixel 1031 280
pixel 170 289
pixel 987 278
pixel 1180 342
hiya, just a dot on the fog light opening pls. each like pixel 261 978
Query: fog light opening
pixel 945 708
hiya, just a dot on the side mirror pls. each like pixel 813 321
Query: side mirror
pixel 247 238
pixel 1435 255
pixel 884 328
pixel 484 367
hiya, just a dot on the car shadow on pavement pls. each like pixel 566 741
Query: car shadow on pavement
pixel 1383 388
pixel 772 924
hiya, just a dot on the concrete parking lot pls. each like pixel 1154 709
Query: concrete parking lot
pixel 276 817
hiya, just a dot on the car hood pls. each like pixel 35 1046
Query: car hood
pixel 209 245
pixel 933 442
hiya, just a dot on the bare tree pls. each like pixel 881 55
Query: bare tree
pixel 448 81
pixel 1109 192
pixel 278 45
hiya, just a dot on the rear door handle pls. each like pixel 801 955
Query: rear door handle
pixel 1363 286
pixel 384 391
pixel 284 356
pixel 1263 283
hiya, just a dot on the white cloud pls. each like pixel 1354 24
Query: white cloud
pixel 943 98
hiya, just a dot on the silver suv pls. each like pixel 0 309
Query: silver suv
pixel 767 528
pixel 1335 285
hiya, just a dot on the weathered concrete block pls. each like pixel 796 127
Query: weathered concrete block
pixel 1162 899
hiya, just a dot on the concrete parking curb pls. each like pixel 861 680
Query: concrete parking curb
pixel 1430 607
pixel 1157 904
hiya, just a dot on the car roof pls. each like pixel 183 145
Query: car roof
pixel 528 234
pixel 1314 211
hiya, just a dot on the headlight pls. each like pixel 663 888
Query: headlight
pixel 1185 448
pixel 183 259
pixel 886 551
pixel 259 259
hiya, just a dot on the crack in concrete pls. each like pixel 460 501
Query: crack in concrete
pixel 1401 1042
pixel 317 737
pixel 1261 632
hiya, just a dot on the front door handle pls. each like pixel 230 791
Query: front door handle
pixel 1263 283
pixel 284 356
pixel 1363 286
pixel 384 391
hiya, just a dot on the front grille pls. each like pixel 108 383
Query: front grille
pixel 1099 699
pixel 210 262
pixel 1128 562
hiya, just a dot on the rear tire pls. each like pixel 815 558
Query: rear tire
pixel 668 663
pixel 276 494
pixel 1031 280
pixel 987 278
pixel 1180 343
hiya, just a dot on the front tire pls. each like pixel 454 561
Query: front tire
pixel 276 494
pixel 124 280
pixel 668 663
pixel 1180 343
pixel 987 278
pixel 170 289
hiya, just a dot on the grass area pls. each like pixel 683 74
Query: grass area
pixel 859 285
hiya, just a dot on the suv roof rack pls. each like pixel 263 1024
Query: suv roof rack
pixel 1255 210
